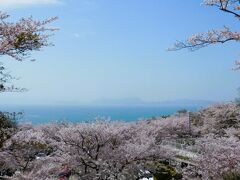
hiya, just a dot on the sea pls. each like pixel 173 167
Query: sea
pixel 74 114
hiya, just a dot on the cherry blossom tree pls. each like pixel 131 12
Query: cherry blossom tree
pixel 105 150
pixel 220 158
pixel 100 150
pixel 19 39
pixel 224 35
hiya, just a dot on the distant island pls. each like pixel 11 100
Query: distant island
pixel 140 102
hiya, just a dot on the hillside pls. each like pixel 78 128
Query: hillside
pixel 200 145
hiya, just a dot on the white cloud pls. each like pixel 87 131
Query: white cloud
pixel 85 34
pixel 16 3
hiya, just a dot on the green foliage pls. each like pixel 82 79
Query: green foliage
pixel 8 125
pixel 195 119
pixel 165 116
pixel 26 40
pixel 231 119
pixel 182 157
pixel 232 176
pixel 7 120
pixel 163 171
pixel 182 111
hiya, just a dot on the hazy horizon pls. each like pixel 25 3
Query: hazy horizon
pixel 125 102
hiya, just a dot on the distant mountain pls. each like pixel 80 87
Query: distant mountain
pixel 139 102
pixel 123 101
pixel 187 102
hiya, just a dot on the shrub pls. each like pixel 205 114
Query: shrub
pixel 232 176
pixel 162 170
pixel 182 111
pixel 8 126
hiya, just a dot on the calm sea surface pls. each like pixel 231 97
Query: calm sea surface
pixel 47 114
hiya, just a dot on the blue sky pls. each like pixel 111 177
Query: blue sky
pixel 117 49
